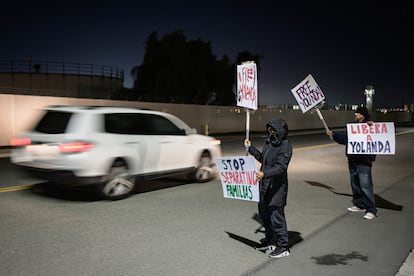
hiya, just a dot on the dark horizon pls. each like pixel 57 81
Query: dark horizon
pixel 345 48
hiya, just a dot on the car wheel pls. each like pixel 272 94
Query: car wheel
pixel 204 171
pixel 118 184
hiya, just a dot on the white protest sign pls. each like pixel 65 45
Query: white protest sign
pixel 238 177
pixel 376 139
pixel 308 94
pixel 247 85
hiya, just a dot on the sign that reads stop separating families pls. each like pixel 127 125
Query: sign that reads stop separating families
pixel 378 138
pixel 308 94
pixel 238 177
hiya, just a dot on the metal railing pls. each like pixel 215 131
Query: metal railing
pixel 52 67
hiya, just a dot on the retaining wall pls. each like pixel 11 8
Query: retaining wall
pixel 19 112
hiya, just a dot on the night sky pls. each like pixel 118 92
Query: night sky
pixel 345 47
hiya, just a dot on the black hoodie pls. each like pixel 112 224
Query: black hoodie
pixel 274 159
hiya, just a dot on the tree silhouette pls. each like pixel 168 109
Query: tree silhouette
pixel 181 71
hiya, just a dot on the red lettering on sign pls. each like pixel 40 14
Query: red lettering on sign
pixel 365 129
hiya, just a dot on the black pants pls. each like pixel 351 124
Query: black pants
pixel 274 222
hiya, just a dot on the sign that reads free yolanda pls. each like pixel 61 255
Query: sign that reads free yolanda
pixel 308 94
pixel 238 177
pixel 376 139
pixel 247 85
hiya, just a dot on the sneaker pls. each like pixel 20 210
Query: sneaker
pixel 355 209
pixel 265 245
pixel 370 216
pixel 279 252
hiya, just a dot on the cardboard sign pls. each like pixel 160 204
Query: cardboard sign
pixel 247 85
pixel 238 177
pixel 308 94
pixel 376 139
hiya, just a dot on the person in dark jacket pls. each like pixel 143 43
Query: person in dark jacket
pixel 359 170
pixel 273 177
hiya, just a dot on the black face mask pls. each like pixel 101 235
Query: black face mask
pixel 274 137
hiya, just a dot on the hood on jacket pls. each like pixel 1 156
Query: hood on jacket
pixel 363 111
pixel 281 131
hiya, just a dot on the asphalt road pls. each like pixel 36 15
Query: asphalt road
pixel 172 227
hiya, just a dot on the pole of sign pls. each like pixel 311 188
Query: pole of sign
pixel 247 128
pixel 321 117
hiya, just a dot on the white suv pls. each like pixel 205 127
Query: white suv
pixel 112 147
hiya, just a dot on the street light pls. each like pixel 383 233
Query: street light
pixel 369 92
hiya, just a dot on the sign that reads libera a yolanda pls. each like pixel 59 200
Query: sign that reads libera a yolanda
pixel 308 94
pixel 379 138
pixel 238 177
pixel 247 85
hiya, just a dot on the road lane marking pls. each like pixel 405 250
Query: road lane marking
pixel 404 132
pixel 16 188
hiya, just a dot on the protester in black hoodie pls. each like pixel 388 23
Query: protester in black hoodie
pixel 359 170
pixel 274 159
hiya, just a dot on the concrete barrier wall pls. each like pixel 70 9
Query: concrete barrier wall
pixel 401 117
pixel 19 112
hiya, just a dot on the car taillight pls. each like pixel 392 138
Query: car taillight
pixel 20 142
pixel 75 147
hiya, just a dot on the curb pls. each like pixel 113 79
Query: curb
pixel 407 269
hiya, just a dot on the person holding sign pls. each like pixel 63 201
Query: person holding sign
pixel 360 171
pixel 273 185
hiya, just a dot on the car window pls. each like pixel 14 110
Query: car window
pixel 136 123
pixel 162 126
pixel 53 122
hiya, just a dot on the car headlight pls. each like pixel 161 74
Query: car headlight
pixel 215 142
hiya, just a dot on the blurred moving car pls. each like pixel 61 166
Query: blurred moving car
pixel 112 147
